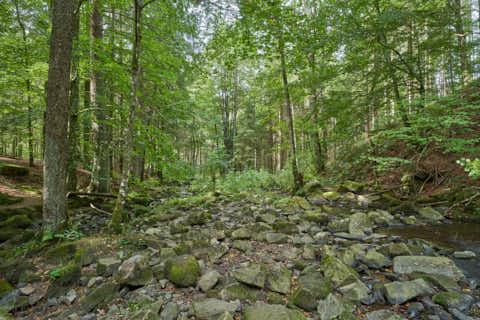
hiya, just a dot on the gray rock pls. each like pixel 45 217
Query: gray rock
pixel 351 236
pixel 184 270
pixel 310 287
pixel 384 315
pixel 338 225
pixel 454 300
pixel 263 311
pixel 464 254
pixel 415 309
pixel 225 316
pixel 274 237
pixel 254 275
pixel 374 260
pixel 241 234
pixel 210 308
pixel 209 280
pixel 381 218
pixel 399 292
pixel 338 272
pixel 134 271
pixel 430 265
pixel 330 308
pixel 107 266
pixel 236 290
pixel 279 279
pixel 355 291
pixel 242 245
pixel 358 223
pixel 430 214
pixel 169 312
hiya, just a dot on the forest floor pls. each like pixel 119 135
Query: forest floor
pixel 334 254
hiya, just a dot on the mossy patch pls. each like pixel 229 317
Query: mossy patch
pixel 199 218
pixel 62 253
pixel 64 279
pixel 285 227
pixel 184 271
pixel 447 299
pixel 5 288
pixel 6 199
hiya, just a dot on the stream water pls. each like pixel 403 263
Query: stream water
pixel 456 236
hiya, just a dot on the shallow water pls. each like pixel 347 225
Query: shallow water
pixel 456 236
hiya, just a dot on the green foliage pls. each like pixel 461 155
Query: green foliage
pixel 471 166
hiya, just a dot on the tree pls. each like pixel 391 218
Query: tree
pixel 56 116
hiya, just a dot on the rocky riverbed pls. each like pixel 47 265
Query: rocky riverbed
pixel 244 256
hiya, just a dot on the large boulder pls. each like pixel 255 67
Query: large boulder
pixel 331 308
pixel 310 287
pixel 374 259
pixel 279 279
pixel 399 292
pixel 430 265
pixel 338 272
pixel 212 308
pixel 355 291
pixel 134 271
pixel 358 223
pixel 184 270
pixel 263 311
pixel 254 275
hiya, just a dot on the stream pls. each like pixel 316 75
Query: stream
pixel 455 236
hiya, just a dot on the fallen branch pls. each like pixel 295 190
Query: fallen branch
pixel 99 210
pixel 466 201
pixel 89 194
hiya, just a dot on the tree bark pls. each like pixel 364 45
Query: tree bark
pixel 100 168
pixel 297 176
pixel 56 115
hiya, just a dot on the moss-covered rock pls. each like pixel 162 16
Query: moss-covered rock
pixel 65 279
pixel 135 271
pixel 17 222
pixel 351 186
pixel 63 253
pixel 4 315
pixel 199 218
pixel 316 216
pixel 263 311
pixel 5 288
pixel 331 195
pixel 310 287
pixel 293 204
pixel 236 290
pixel 101 295
pixel 336 271
pixel 282 226
pixel 13 269
pixel 178 228
pixel 184 270
pixel 448 299
pixel 11 170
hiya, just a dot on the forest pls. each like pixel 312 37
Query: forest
pixel 240 159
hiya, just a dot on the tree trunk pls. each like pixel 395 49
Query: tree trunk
pixel 297 176
pixel 73 128
pixel 100 167
pixel 56 115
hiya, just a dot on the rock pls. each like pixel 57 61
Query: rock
pixel 454 300
pixel 134 271
pixel 178 228
pixel 199 218
pixel 397 249
pixel 310 287
pixel 254 275
pixel 358 223
pixel 184 270
pixel 336 271
pixel 464 254
pixel 338 225
pixel 330 308
pixel 103 294
pixel 355 291
pixel 415 309
pixel 5 288
pixel 374 260
pixel 209 280
pixel 211 308
pixel 429 265
pixel 430 214
pixel 242 245
pixel 241 234
pixel 331 195
pixel 351 236
pixel 62 253
pixel 225 316
pixel 438 280
pixel 235 290
pixel 279 279
pixel 263 311
pixel 302 240
pixel 71 296
pixel 4 315
pixel 381 218
pixel 27 290
pixel 281 226
pixel 273 237
pixel 351 186
pixel 384 315
pixel 410 220
pixel 316 217
pixel 67 278
pixel 399 292
pixel 107 266
pixel 169 312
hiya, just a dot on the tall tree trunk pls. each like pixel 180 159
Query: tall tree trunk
pixel 297 176
pixel 27 85
pixel 86 126
pixel 119 214
pixel 56 115
pixel 100 168
pixel 319 157
pixel 73 128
